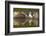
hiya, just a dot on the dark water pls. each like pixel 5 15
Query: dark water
pixel 26 22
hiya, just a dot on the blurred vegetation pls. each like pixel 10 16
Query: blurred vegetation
pixel 25 9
